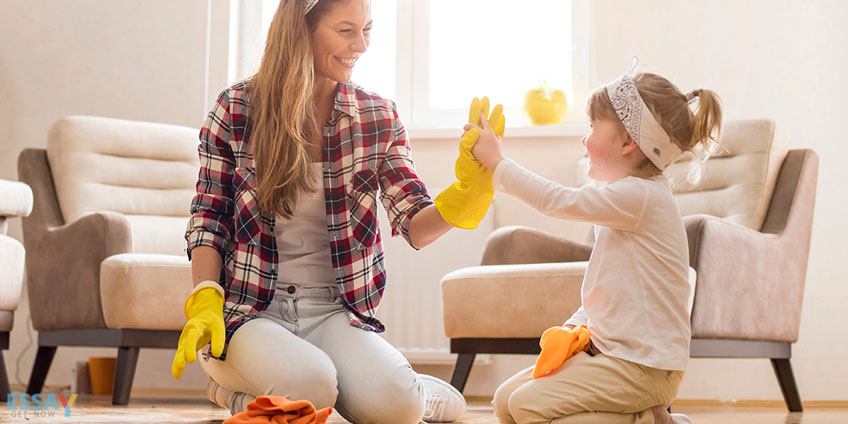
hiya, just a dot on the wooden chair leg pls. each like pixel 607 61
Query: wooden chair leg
pixel 43 359
pixel 461 370
pixel 5 389
pixel 786 379
pixel 124 374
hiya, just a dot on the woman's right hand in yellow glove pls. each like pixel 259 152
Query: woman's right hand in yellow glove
pixel 205 312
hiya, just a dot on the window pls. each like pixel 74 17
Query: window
pixel 376 69
pixel 433 56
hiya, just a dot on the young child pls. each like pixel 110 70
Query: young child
pixel 635 291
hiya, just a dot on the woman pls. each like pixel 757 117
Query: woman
pixel 284 237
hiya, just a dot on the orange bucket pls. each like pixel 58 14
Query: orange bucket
pixel 102 372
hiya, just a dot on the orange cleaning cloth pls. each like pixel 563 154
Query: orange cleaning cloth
pixel 558 344
pixel 279 410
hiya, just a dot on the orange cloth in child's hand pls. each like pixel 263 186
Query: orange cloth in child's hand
pixel 558 344
pixel 279 410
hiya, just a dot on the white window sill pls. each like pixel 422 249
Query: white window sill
pixel 535 131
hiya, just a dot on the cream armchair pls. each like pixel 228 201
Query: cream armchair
pixel 106 264
pixel 15 201
pixel 748 223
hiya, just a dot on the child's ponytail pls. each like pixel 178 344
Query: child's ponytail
pixel 707 119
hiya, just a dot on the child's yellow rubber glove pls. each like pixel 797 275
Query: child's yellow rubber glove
pixel 205 312
pixel 465 202
pixel 558 344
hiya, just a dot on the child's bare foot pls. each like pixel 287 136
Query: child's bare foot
pixel 661 415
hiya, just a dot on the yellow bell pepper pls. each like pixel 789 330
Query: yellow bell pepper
pixel 545 107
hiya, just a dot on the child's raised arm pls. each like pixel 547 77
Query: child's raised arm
pixel 618 205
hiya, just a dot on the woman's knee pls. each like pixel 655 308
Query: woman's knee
pixel 392 402
pixel 408 408
pixel 313 380
pixel 266 359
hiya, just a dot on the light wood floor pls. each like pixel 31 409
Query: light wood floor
pixel 148 406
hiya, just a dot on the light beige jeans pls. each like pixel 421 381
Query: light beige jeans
pixel 303 347
pixel 587 389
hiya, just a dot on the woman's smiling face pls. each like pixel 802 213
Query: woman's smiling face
pixel 340 37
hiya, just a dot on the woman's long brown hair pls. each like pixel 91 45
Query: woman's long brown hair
pixel 282 112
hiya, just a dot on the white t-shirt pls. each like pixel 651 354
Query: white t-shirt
pixel 303 242
pixel 635 292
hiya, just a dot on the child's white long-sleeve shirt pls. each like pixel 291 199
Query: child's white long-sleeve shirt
pixel 635 292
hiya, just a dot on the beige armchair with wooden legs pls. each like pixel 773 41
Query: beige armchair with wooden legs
pixel 105 243
pixel 748 222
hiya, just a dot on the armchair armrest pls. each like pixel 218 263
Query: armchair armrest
pixel 63 259
pixel 64 269
pixel 504 301
pixel 750 284
pixel 16 199
pixel 522 245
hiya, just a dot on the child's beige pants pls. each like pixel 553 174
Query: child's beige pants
pixel 587 389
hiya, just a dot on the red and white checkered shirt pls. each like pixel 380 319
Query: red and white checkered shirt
pixel 365 153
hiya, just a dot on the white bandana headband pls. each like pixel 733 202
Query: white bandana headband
pixel 309 5
pixel 639 122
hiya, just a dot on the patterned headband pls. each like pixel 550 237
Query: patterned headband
pixel 639 122
pixel 309 5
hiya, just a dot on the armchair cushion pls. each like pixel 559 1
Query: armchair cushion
pixel 737 182
pixel 515 301
pixel 145 171
pixel 145 291
pixel 155 234
pixel 503 301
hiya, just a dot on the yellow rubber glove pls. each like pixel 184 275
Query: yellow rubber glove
pixel 558 345
pixel 205 312
pixel 465 202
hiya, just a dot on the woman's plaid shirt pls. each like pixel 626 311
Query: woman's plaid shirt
pixel 365 153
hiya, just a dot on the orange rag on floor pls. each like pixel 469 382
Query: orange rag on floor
pixel 279 410
pixel 558 344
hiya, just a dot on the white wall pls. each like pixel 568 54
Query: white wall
pixel 132 59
